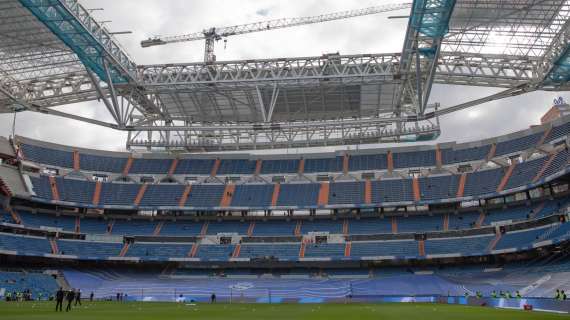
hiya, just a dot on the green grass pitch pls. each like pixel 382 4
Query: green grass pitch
pixel 160 311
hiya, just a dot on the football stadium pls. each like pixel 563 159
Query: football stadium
pixel 332 186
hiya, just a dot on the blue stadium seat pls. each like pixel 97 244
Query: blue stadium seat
pixel 89 162
pixel 449 156
pixel 252 195
pixel 346 193
pixel 323 165
pixel 416 159
pixel 279 166
pixel 194 166
pixel 47 156
pixel 236 167
pixel 392 190
pixel 298 194
pixel 368 162
pixel 205 195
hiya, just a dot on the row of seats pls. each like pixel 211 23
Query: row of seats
pixel 471 245
pixel 363 226
pixel 434 188
pixel 409 159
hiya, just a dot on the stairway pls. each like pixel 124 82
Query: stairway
pixel 237 249
pixel 193 251
pixel 125 249
pixel 157 229
pixel 422 248
pixel 494 242
pixel 250 229
pixel 97 193
pixel 228 195
pixel 77 224
pixel 204 229
pixel 298 227
pixel 302 250
pixel 53 244
pixel 275 196
pixel 480 220
pixel 54 190
pixel 323 199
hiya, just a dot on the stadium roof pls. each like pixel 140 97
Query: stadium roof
pixel 54 53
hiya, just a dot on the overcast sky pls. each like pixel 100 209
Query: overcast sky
pixel 372 34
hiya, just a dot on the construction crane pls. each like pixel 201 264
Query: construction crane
pixel 212 35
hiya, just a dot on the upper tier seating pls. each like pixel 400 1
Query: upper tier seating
pixel 323 165
pixel 298 194
pixel 194 166
pixel 393 190
pixel 560 161
pixel 119 194
pixel 47 156
pixel 89 162
pixel 558 132
pixel 150 166
pixel 279 166
pixel 483 182
pixel 346 193
pixel 518 144
pixel 525 172
pixel 236 166
pixel 439 187
pixel 449 156
pixel 205 195
pixel 41 187
pixel 253 195
pixel 414 159
pixel 162 195
pixel 72 190
pixel 368 162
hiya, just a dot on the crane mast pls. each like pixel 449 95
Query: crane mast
pixel 212 35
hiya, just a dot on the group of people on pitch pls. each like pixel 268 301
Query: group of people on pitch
pixel 70 296
pixel 560 295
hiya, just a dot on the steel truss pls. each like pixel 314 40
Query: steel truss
pixel 290 102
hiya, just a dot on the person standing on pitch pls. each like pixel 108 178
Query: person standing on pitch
pixel 91 296
pixel 59 299
pixel 78 297
pixel 70 296
pixel 213 298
